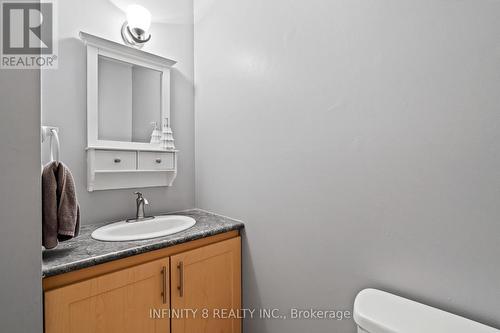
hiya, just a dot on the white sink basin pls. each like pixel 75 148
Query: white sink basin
pixel 156 227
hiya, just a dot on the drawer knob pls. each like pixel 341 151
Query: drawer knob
pixel 158 160
pixel 117 160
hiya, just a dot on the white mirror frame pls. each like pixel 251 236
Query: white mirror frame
pixel 105 170
pixel 97 46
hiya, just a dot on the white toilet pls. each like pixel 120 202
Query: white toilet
pixel 376 311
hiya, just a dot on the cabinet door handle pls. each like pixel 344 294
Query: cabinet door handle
pixel 180 267
pixel 117 160
pixel 164 273
pixel 158 160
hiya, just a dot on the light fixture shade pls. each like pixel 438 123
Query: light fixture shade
pixel 135 30
pixel 138 17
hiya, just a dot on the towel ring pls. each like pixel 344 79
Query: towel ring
pixel 54 143
pixel 54 137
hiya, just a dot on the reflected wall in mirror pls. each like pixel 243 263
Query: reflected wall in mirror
pixel 129 101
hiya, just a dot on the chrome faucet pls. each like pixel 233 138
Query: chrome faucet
pixel 141 202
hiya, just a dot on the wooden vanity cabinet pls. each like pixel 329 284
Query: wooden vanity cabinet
pixel 205 279
pixel 114 302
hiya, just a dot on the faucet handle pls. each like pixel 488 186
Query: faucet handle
pixel 141 197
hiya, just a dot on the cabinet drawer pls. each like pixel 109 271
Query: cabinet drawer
pixel 156 161
pixel 115 160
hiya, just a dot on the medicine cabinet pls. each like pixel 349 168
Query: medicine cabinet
pixel 129 140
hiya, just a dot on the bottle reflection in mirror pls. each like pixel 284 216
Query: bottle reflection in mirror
pixel 167 136
pixel 156 134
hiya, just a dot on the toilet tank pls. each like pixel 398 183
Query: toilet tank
pixel 377 311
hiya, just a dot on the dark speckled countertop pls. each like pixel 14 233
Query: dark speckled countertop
pixel 83 251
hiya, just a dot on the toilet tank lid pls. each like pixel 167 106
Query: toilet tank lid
pixel 377 311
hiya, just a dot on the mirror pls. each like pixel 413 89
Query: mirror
pixel 127 90
pixel 129 101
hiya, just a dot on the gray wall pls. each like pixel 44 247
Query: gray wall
pixel 146 102
pixel 360 141
pixel 64 99
pixel 114 100
pixel 20 203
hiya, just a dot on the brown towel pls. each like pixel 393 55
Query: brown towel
pixel 60 210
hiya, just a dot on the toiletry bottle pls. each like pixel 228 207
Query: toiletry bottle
pixel 156 134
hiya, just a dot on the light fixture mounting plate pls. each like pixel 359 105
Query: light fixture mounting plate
pixel 131 39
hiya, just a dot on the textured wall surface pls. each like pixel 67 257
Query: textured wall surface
pixel 360 142
pixel 20 204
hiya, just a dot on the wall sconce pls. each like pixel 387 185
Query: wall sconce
pixel 135 30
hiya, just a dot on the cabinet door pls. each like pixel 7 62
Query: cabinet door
pixel 207 279
pixel 125 301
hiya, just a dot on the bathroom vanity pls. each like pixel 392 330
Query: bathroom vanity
pixel 178 283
